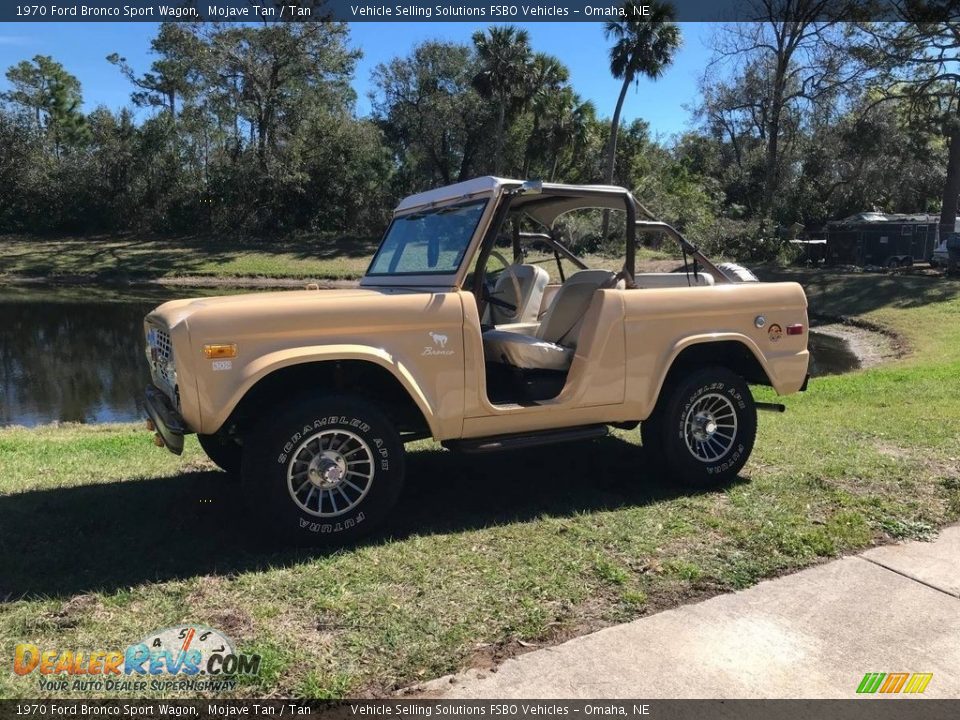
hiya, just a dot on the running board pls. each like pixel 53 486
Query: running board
pixel 497 443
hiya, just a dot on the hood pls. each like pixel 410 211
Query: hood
pixel 278 302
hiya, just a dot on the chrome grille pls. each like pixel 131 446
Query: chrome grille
pixel 163 345
pixel 160 359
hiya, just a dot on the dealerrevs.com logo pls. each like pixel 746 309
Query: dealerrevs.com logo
pixel 187 658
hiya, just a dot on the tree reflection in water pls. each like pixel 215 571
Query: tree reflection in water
pixel 71 361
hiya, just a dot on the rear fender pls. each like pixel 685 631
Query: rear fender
pixel 692 340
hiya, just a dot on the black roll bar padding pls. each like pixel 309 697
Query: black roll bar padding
pixel 517 250
pixel 630 261
pixel 487 243
pixel 556 246
pixel 654 225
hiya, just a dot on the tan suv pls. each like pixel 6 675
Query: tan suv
pixel 310 395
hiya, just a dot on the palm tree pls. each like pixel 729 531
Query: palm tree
pixel 546 83
pixel 571 128
pixel 505 60
pixel 644 47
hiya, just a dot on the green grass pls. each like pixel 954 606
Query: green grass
pixel 104 538
pixel 132 258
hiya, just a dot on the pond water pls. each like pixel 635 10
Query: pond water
pixel 76 354
pixel 830 355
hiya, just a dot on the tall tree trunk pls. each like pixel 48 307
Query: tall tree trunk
pixel 528 152
pixel 612 148
pixel 951 186
pixel 498 146
pixel 615 131
pixel 773 141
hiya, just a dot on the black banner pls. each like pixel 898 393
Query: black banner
pixel 446 10
pixel 893 708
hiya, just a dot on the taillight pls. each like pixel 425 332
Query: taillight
pixel 796 329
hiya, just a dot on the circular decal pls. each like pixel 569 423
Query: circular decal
pixel 775 332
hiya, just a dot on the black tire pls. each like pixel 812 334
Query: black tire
pixel 223 451
pixel 669 434
pixel 326 430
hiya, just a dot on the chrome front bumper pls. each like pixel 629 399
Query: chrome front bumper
pixel 165 419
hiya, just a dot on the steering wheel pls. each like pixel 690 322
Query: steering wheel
pixel 507 268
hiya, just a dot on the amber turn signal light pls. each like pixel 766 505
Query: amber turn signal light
pixel 215 352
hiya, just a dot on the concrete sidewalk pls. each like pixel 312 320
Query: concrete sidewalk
pixel 813 634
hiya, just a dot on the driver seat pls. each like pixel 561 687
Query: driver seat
pixel 532 281
pixel 552 346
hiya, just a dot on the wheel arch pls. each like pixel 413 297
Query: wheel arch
pixel 367 372
pixel 733 351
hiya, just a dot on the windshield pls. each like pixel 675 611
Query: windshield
pixel 431 242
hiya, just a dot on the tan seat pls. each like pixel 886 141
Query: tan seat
pixel 532 280
pixel 552 346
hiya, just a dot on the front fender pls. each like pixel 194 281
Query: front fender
pixel 219 411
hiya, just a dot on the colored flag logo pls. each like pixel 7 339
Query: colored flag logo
pixel 889 683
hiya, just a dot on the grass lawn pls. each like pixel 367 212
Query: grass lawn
pixel 135 258
pixel 132 258
pixel 104 538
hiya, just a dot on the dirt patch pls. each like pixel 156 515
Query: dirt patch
pixel 208 600
pixel 236 623
pixel 943 469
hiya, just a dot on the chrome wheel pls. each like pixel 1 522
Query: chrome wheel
pixel 330 473
pixel 710 427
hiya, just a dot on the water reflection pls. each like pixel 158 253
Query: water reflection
pixel 75 354
pixel 80 361
pixel 830 355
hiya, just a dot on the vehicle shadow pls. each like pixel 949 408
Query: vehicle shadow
pixel 64 541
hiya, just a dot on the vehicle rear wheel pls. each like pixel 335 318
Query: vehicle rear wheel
pixel 325 472
pixel 702 430
pixel 223 451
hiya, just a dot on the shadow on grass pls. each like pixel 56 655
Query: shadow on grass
pixel 855 293
pixel 64 541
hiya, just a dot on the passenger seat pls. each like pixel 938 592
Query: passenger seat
pixel 553 345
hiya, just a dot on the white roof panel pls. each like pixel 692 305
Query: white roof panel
pixel 476 186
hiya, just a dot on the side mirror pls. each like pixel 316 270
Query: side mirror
pixel 531 187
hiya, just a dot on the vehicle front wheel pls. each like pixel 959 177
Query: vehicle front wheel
pixel 324 472
pixel 225 453
pixel 703 427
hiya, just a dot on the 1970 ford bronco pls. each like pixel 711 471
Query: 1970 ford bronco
pixel 310 395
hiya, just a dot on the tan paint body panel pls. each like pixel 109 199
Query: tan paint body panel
pixel 628 342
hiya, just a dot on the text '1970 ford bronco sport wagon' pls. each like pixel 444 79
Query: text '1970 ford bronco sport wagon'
pixel 458 332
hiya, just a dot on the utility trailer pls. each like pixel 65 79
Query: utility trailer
pixel 882 240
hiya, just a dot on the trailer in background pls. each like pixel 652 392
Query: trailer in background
pixel 880 239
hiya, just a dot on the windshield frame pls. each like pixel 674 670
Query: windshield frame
pixel 482 202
